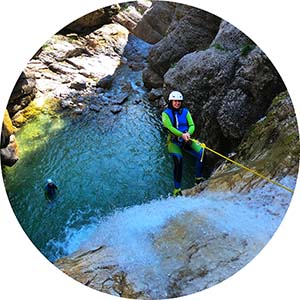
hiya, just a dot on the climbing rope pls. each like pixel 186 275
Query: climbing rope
pixel 244 167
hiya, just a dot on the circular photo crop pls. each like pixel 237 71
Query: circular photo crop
pixel 150 150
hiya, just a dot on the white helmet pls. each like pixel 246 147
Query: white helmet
pixel 175 95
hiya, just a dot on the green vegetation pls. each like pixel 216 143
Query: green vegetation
pixel 173 65
pixel 246 49
pixel 218 47
pixel 33 109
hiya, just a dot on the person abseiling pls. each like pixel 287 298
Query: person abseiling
pixel 179 122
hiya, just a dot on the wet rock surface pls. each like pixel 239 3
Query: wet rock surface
pixel 98 269
pixel 196 254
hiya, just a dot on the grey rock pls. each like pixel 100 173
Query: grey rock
pixel 230 38
pixel 152 79
pixel 95 107
pixel 23 93
pixel 155 94
pixel 194 31
pixel 155 22
pixel 116 109
pixel 228 88
pixel 105 83
pixel 121 98
pixel 78 85
pixel 9 154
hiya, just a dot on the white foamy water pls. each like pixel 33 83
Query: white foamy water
pixel 253 217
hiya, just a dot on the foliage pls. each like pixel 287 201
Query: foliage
pixel 246 49
pixel 218 47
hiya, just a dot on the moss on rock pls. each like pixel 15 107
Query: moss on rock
pixel 49 106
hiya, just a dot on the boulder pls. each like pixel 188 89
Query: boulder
pixel 194 31
pixel 7 129
pixel 92 21
pixel 155 22
pixel 105 83
pixel 230 38
pixel 151 79
pixel 9 154
pixel 23 93
pixel 155 94
pixel 9 147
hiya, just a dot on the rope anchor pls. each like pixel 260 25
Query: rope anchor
pixel 244 167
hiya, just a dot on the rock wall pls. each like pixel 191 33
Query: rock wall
pixel 23 93
pixel 194 30
pixel 188 30
pixel 155 22
pixel 271 148
pixel 227 81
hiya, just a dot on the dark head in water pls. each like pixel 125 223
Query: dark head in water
pixel 50 189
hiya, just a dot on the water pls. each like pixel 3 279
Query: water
pixel 100 165
pixel 145 249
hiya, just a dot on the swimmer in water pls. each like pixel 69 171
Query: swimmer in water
pixel 50 189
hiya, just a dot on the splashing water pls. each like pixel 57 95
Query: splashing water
pixel 249 218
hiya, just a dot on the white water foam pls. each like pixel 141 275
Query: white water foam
pixel 254 216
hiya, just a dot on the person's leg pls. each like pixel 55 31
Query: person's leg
pixel 177 172
pixel 196 150
pixel 176 154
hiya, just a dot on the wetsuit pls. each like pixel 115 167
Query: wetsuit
pixel 50 190
pixel 178 122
